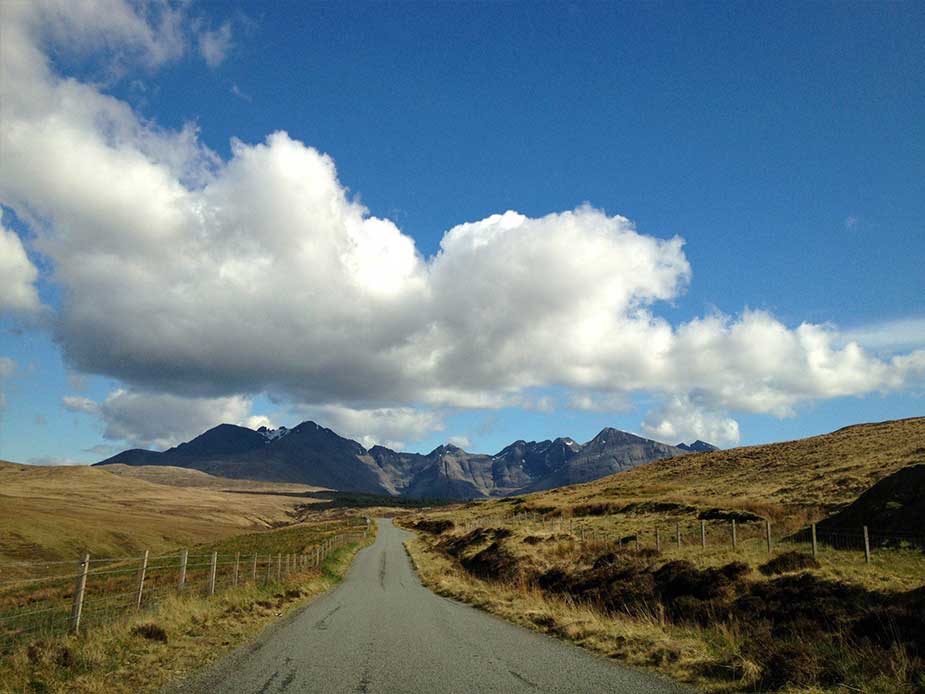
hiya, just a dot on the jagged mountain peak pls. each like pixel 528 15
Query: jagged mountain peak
pixel 611 436
pixel 312 454
pixel 272 434
pixel 446 449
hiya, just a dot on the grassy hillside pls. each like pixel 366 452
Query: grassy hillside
pixel 187 477
pixel 812 476
pixel 53 513
pixel 581 563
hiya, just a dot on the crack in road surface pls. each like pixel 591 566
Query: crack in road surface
pixel 322 623
pixel 404 639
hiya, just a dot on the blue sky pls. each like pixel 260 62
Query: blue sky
pixel 784 143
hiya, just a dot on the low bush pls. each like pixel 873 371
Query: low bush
pixel 434 527
pixel 150 631
pixel 788 562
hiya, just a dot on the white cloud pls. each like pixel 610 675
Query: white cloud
pixel 101 449
pixel 190 277
pixel 160 420
pixel 543 403
pixel 681 420
pixel 7 367
pixel 17 275
pixel 238 92
pixel 150 35
pixel 215 44
pixel 906 333
pixel 461 441
pixel 53 461
pixel 600 402
pixel 257 421
pixel 76 403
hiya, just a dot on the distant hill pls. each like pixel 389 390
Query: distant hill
pixel 311 454
pixel 698 447
pixel 53 513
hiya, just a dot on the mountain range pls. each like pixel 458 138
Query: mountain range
pixel 311 454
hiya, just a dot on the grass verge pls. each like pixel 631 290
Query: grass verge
pixel 723 629
pixel 634 641
pixel 145 652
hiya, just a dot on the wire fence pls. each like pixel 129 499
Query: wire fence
pixel 748 534
pixel 54 597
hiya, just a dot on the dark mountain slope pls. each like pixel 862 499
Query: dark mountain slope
pixel 314 455
pixel 610 451
pixel 698 447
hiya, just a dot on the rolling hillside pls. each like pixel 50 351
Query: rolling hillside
pixel 50 513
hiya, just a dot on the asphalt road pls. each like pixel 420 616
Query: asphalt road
pixel 382 631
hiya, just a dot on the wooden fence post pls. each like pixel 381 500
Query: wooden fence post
pixel 287 565
pixel 866 546
pixel 815 545
pixel 237 560
pixel 703 534
pixel 79 589
pixel 767 525
pixel 269 567
pixel 279 567
pixel 212 573
pixel 733 533
pixel 141 579
pixel 658 539
pixel 679 535
pixel 184 557
pixel 254 570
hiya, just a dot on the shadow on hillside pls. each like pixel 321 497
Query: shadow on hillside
pixel 335 499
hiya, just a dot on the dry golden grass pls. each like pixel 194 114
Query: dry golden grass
pixel 638 641
pixel 792 484
pixel 187 477
pixel 197 631
pixel 57 513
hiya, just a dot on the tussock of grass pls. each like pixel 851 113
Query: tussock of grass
pixel 145 652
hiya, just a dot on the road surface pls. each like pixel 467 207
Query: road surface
pixel 382 631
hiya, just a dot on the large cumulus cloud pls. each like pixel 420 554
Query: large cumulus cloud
pixel 18 293
pixel 188 275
